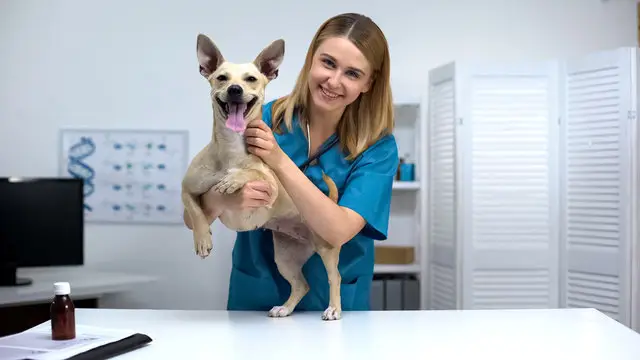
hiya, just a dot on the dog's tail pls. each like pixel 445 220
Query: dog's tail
pixel 333 189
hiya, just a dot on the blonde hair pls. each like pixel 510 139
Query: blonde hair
pixel 370 116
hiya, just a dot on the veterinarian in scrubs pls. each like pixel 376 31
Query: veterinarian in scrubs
pixel 344 89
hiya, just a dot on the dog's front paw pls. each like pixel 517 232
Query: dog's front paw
pixel 279 311
pixel 203 244
pixel 331 313
pixel 227 185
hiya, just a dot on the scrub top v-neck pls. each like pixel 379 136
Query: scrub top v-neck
pixel 364 185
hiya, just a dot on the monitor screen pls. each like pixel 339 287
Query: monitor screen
pixel 42 221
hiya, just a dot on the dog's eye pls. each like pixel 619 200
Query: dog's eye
pixel 221 78
pixel 251 78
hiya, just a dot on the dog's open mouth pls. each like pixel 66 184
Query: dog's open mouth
pixel 236 112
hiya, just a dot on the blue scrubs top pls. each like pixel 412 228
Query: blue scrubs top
pixel 364 186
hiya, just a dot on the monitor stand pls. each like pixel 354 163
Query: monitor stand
pixel 9 277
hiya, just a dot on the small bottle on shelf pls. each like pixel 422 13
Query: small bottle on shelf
pixel 62 312
pixel 399 168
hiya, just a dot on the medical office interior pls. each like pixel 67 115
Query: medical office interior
pixel 515 121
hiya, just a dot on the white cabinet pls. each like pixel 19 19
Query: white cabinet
pixel 532 184
pixel 597 189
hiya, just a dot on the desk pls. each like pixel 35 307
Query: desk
pixel 22 307
pixel 576 334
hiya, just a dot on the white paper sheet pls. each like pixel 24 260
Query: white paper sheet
pixel 36 342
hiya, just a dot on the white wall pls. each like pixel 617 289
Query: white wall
pixel 132 64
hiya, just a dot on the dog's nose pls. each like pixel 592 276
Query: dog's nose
pixel 234 91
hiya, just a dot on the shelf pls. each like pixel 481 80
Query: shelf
pixel 396 268
pixel 413 102
pixel 406 185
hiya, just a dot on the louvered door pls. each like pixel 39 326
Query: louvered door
pixel 595 182
pixel 443 293
pixel 509 186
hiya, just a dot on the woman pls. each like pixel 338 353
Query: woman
pixel 342 105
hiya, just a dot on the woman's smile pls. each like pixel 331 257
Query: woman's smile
pixel 327 94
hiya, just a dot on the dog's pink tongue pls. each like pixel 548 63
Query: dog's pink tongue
pixel 235 121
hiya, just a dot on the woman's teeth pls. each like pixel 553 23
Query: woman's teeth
pixel 328 94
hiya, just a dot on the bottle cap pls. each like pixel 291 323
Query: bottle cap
pixel 61 288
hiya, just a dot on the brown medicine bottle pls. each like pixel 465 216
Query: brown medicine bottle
pixel 63 318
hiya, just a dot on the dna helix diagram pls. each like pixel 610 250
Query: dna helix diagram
pixel 80 170
pixel 128 176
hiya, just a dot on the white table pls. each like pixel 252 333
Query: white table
pixel 567 334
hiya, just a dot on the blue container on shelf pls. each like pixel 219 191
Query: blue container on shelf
pixel 406 169
pixel 407 172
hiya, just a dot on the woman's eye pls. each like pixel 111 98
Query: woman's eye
pixel 352 74
pixel 328 62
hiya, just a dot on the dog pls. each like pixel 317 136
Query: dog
pixel 224 165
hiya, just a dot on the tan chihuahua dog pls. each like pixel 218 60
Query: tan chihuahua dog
pixel 225 166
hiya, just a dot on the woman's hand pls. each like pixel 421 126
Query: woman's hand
pixel 252 195
pixel 261 142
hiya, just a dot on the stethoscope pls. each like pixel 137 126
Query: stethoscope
pixel 323 150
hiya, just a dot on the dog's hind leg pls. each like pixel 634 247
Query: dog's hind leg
pixel 201 229
pixel 330 257
pixel 290 255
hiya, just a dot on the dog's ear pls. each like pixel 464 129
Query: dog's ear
pixel 269 60
pixel 209 57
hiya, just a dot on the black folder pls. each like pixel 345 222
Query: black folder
pixel 115 348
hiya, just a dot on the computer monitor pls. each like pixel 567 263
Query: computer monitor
pixel 41 224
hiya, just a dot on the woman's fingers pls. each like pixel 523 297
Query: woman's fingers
pixel 257 151
pixel 256 194
pixel 255 201
pixel 259 195
pixel 261 186
pixel 258 135
pixel 255 132
pixel 259 124
pixel 258 142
